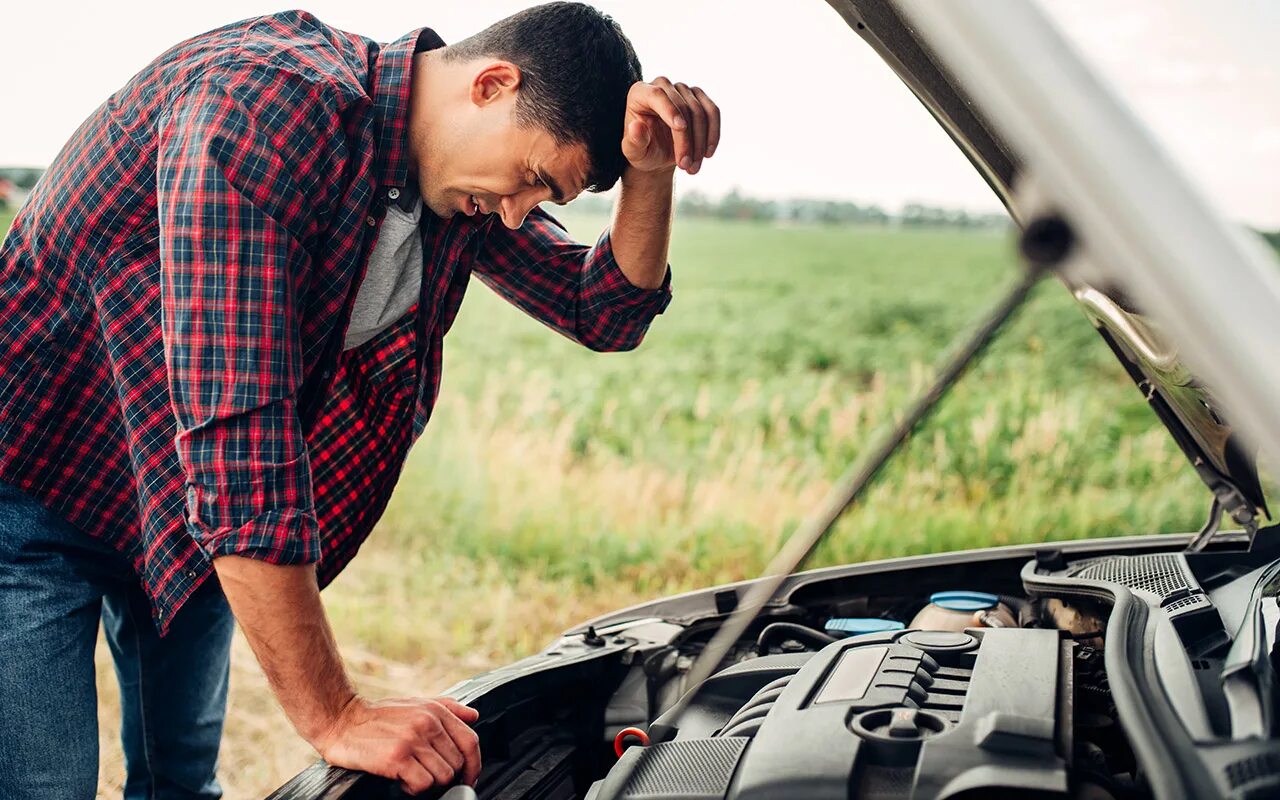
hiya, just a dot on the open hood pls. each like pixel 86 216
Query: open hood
pixel 1185 404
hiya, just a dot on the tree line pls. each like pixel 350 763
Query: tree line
pixel 735 205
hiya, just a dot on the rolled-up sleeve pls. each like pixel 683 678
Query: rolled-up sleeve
pixel 233 201
pixel 577 290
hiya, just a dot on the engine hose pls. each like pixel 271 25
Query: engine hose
pixel 791 630
pixel 1023 611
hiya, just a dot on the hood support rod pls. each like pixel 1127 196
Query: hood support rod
pixel 1210 528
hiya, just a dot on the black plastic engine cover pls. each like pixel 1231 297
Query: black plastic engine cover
pixel 919 714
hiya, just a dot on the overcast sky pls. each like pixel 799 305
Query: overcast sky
pixel 809 110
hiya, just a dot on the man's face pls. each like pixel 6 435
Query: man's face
pixel 480 160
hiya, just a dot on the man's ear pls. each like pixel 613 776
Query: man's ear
pixel 494 81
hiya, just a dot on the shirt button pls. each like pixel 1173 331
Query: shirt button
pixel 393 194
pixel 370 221
pixel 191 573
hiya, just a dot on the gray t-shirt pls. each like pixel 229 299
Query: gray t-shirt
pixel 393 278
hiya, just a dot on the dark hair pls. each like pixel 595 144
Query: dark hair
pixel 577 68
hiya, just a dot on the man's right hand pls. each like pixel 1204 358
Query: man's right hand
pixel 421 743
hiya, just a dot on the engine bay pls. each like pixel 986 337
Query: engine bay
pixel 1076 673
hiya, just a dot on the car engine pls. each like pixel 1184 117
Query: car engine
pixel 913 713
pixel 1089 675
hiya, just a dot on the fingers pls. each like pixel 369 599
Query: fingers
pixel 422 771
pixel 465 740
pixel 441 773
pixel 464 712
pixel 666 104
pixel 699 136
pixel 414 778
pixel 447 746
pixel 713 120
pixel 697 117
pixel 674 110
pixel 435 739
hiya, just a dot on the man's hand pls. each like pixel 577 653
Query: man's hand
pixel 669 125
pixel 421 743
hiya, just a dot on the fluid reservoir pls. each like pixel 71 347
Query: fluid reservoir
pixel 841 627
pixel 957 610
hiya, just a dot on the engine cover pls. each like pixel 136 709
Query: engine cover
pixel 919 714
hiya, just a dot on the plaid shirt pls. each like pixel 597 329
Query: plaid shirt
pixel 176 289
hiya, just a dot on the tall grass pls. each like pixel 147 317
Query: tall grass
pixel 555 483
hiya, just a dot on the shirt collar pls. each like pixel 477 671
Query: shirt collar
pixel 392 69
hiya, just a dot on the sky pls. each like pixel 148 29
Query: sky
pixel 808 109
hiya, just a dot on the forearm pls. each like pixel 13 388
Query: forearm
pixel 641 231
pixel 279 610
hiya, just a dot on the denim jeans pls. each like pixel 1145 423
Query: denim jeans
pixel 56 582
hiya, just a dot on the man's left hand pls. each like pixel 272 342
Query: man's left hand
pixel 669 125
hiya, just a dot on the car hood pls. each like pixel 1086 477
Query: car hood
pixel 1185 404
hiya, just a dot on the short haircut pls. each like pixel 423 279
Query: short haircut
pixel 577 68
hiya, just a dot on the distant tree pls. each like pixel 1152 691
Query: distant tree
pixel 22 177
pixel 695 204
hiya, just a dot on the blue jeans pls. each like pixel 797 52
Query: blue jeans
pixel 56 582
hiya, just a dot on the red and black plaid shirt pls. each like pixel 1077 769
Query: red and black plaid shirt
pixel 176 288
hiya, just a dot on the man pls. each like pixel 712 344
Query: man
pixel 224 307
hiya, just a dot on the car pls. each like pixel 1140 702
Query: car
pixel 1136 667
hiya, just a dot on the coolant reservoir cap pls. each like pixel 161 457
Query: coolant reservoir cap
pixel 964 601
pixel 856 626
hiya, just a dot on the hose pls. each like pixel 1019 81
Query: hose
pixel 791 630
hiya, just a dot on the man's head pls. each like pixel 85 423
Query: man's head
pixel 528 110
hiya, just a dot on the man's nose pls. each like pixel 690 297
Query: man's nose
pixel 513 208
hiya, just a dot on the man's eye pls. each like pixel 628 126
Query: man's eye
pixel 538 182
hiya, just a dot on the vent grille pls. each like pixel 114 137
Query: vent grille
pixel 1160 575
pixel 1190 601
pixel 693 768
pixel 1253 768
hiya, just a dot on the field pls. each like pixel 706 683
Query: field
pixel 555 483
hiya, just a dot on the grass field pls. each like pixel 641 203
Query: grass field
pixel 555 483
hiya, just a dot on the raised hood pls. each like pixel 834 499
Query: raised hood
pixel 1184 404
